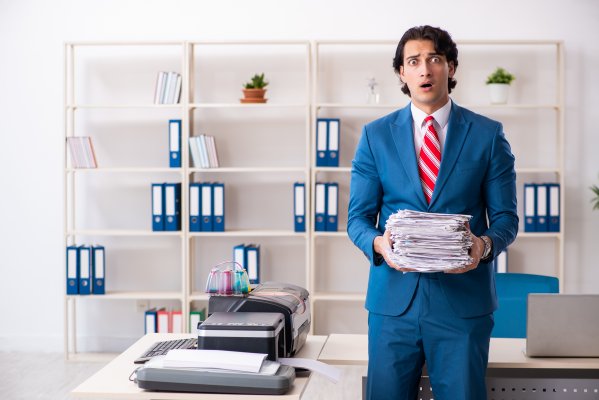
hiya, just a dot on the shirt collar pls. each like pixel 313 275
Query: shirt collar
pixel 441 116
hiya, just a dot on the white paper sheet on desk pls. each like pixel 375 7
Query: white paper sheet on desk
pixel 221 359
pixel 328 371
pixel 268 367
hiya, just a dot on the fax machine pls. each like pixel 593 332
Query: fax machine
pixel 273 297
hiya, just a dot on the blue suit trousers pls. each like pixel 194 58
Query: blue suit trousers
pixel 455 349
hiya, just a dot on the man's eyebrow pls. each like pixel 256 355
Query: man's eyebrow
pixel 428 55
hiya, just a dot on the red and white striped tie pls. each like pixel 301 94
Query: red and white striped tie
pixel 430 159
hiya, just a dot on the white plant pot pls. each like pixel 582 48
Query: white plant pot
pixel 498 92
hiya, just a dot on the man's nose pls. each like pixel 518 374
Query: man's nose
pixel 425 69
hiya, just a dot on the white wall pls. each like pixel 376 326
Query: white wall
pixel 31 36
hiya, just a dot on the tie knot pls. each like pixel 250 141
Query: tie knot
pixel 429 119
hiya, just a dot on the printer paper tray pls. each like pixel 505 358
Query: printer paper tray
pixel 182 380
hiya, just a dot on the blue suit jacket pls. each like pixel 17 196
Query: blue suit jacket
pixel 476 177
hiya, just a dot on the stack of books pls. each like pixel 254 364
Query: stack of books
pixel 82 152
pixel 203 151
pixel 168 88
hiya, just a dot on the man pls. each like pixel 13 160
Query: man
pixel 458 162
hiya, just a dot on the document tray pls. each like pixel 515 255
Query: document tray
pixel 199 381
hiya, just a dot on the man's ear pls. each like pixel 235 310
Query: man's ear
pixel 400 74
pixel 451 69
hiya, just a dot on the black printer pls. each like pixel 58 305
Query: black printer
pixel 273 297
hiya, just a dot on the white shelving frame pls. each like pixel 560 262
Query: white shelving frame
pixel 558 170
pixel 311 107
pixel 185 296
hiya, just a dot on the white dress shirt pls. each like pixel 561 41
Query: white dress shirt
pixel 441 117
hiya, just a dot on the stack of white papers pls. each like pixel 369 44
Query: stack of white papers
pixel 214 359
pixel 429 242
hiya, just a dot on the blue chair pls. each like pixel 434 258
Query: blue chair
pixel 512 295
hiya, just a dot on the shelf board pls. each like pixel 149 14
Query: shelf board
pixel 131 296
pixel 121 106
pixel 474 105
pixel 542 235
pixel 331 169
pixel 333 234
pixel 512 106
pixel 249 169
pixel 358 105
pixel 329 296
pixel 124 169
pixel 260 233
pixel 199 296
pixel 248 105
pixel 538 171
pixel 121 232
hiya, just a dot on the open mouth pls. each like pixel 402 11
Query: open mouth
pixel 426 85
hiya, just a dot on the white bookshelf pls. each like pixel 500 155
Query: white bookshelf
pixel 537 100
pixel 105 95
pixel 109 96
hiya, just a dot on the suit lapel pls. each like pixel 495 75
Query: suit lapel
pixel 457 131
pixel 402 131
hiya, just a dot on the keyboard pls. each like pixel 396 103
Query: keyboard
pixel 161 348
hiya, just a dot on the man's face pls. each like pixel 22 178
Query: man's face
pixel 426 73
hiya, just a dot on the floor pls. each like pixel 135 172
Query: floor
pixel 47 376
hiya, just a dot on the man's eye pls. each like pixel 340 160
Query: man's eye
pixel 412 62
pixel 435 59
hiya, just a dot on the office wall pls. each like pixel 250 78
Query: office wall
pixel 31 126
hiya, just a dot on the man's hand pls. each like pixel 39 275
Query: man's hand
pixel 476 252
pixel 382 245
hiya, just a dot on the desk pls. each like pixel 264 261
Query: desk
pixel 112 381
pixel 510 372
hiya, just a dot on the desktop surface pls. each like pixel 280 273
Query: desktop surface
pixel 341 349
pixel 112 381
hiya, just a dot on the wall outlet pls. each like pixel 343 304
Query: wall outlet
pixel 142 305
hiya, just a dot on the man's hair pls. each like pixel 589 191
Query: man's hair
pixel 442 41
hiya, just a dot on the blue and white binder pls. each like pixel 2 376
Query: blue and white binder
pixel 195 202
pixel 321 142
pixel 98 269
pixel 239 255
pixel 530 207
pixel 334 125
pixel 172 206
pixel 151 321
pixel 207 208
pixel 553 200
pixel 320 207
pixel 72 269
pixel 85 270
pixel 252 256
pixel 332 209
pixel 157 207
pixel 501 265
pixel 541 211
pixel 174 140
pixel 218 207
pixel 299 207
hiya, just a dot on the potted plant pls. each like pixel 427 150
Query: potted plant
pixel 254 90
pixel 499 83
pixel 595 200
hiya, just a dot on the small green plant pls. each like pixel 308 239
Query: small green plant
pixel 257 82
pixel 595 200
pixel 500 76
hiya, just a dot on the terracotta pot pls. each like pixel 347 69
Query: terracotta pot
pixel 253 96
